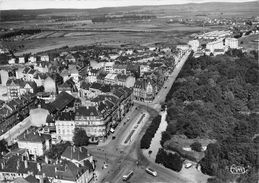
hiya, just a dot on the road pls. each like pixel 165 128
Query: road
pixel 121 157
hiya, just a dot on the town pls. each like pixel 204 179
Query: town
pixel 80 113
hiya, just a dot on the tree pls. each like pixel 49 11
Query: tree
pixel 80 137
pixel 3 146
pixel 196 146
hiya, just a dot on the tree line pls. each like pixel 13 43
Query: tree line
pixel 218 98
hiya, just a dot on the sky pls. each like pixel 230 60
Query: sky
pixel 90 4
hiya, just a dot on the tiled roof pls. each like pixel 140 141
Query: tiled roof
pixel 32 179
pixel 106 88
pixel 33 137
pixel 4 112
pixel 66 116
pixel 96 86
pixel 75 153
pixel 118 93
pixel 26 70
pixel 86 111
pixel 122 77
pixel 85 85
pixel 62 100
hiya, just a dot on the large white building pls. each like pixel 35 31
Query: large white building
pixel 65 125
pixel 194 44
pixel 231 43
pixel 108 66
pixel 218 44
pixel 50 85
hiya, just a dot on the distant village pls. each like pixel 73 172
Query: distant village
pixel 46 96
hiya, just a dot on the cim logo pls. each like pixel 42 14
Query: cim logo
pixel 234 169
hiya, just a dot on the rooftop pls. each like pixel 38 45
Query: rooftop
pixel 33 137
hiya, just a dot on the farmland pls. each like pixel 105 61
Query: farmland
pixel 150 32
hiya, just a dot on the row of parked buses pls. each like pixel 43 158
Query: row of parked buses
pixel 148 170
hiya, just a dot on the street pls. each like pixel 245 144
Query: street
pixel 116 158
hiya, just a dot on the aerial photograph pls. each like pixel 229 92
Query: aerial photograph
pixel 134 91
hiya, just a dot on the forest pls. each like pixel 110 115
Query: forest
pixel 218 98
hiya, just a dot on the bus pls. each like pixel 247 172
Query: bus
pixel 127 177
pixel 151 172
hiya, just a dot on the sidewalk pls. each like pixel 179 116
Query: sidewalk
pixel 108 140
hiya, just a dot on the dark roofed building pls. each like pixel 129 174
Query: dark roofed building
pixel 63 100
pixel 63 171
pixel 78 155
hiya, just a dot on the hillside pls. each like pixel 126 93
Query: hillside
pixel 208 9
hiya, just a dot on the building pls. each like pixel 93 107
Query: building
pixel 29 73
pixel 42 66
pixel 4 77
pixel 218 52
pixel 120 69
pixel 65 126
pixel 194 44
pixel 21 60
pixel 144 90
pixel 77 155
pixel 18 87
pixel 183 47
pixel 11 61
pixel 44 58
pixel 11 114
pixel 143 69
pixel 50 85
pixel 231 43
pixel 84 89
pixel 36 143
pixel 62 171
pixel 126 81
pixel 218 44
pixel 215 35
pixel 38 117
pixel 32 59
pixel 69 86
pixel 92 75
pixel 89 119
pixel 111 79
pixel 108 66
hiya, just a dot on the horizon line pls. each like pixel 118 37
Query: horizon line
pixel 123 6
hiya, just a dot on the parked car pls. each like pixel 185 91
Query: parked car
pixel 127 176
pixel 151 171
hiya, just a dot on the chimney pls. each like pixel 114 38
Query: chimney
pixel 26 164
pixel 56 169
pixel 46 159
pixel 39 167
pixel 74 148
pixel 80 148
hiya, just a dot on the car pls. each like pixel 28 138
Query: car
pixel 127 176
pixel 188 165
pixel 151 171
pixel 105 165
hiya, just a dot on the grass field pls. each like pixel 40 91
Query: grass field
pixel 249 42
pixel 143 34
